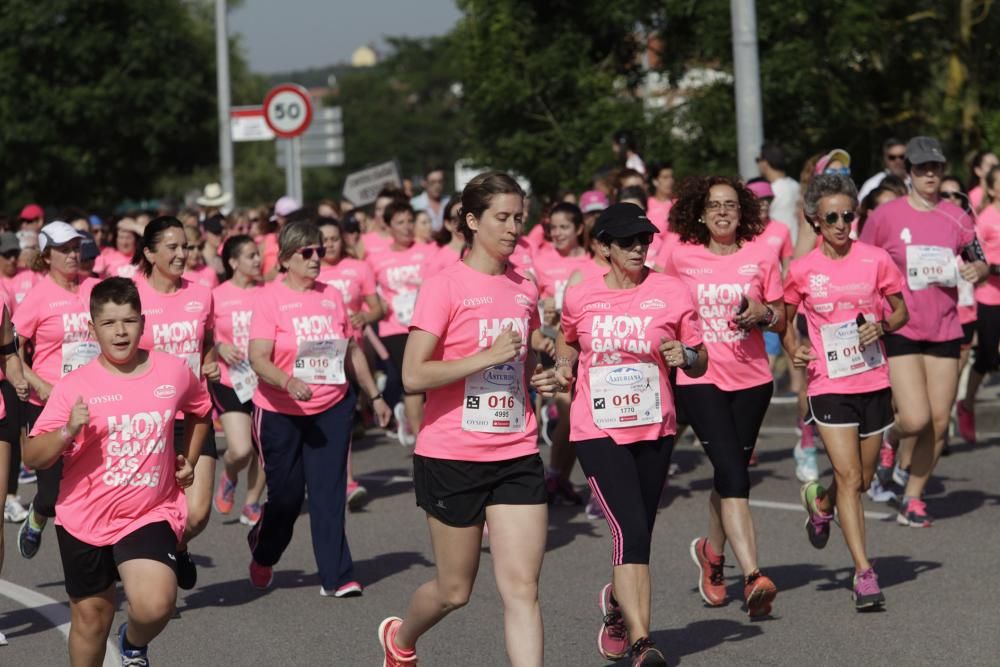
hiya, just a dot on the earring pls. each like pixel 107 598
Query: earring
pixel 701 221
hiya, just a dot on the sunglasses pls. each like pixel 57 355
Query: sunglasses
pixel 957 196
pixel 643 238
pixel 895 157
pixel 838 171
pixel 832 217
pixel 12 254
pixel 309 251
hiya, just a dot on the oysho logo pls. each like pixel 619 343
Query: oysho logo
pixel 597 305
pixel 104 398
pixel 652 304
pixel 165 391
pixel 748 270
pixel 474 301
pixel 59 304
pixel 194 307
pixel 290 306
pixel 697 271
pixel 624 377
pixel 503 375
pixel 522 300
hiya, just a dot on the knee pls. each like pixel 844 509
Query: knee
pixel 153 607
pixel 912 421
pixel 92 621
pixel 732 482
pixel 850 480
pixel 455 596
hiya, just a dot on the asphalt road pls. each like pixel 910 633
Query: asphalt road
pixel 942 592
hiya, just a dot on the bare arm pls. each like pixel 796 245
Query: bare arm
pixel 420 373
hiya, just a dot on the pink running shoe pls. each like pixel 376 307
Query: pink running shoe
pixel 261 576
pixel 913 513
pixel 867 594
pixel 966 422
pixel 224 494
pixel 250 514
pixel 612 640
pixel 394 656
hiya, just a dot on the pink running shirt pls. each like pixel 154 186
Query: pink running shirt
pixel 398 275
pixel 988 231
pixel 113 264
pixel 896 227
pixel 232 309
pixel 20 285
pixel 176 322
pixel 290 318
pixel 624 328
pixel 523 259
pixel 268 245
pixel 466 310
pixel 355 280
pixel 56 321
pixel 205 276
pixel 737 358
pixel 554 269
pixel 375 244
pixel 668 243
pixel 778 239
pixel 118 474
pixel 441 260
pixel 833 292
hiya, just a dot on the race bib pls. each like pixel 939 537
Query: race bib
pixel 928 265
pixel 494 400
pixel 321 361
pixel 244 380
pixel 845 355
pixel 403 304
pixel 78 354
pixel 623 396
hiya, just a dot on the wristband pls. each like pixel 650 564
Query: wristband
pixel 376 397
pixel 284 387
pixel 994 269
pixel 690 357
pixel 9 348
pixel 64 435
pixel 770 317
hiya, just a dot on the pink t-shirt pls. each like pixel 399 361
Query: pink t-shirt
pixel 56 321
pixel 20 285
pixel 8 303
pixel 737 358
pixel 375 243
pixel 118 474
pixel 398 275
pixel 554 269
pixel 535 237
pixel 466 310
pixel 176 322
pixel 442 259
pixel 355 280
pixel 668 243
pixel 778 239
pixel 523 259
pixel 988 232
pixel 205 276
pixel 976 197
pixel 658 213
pixel 291 318
pixel 268 244
pixel 592 270
pixel 835 291
pixel 232 308
pixel 113 264
pixel 623 328
pixel 897 226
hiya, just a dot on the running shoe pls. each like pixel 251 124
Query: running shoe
pixel 387 630
pixel 13 510
pixel 351 589
pixel 557 487
pixel 879 493
pixel 406 438
pixel 225 493
pixel 136 657
pixel 645 654
pixel 187 572
pixel 759 592
pixel 356 496
pixel 806 469
pixel 594 509
pixel 612 640
pixel 261 576
pixel 913 513
pixel 29 538
pixel 900 476
pixel 250 514
pixel 867 594
pixel 818 523
pixel 886 462
pixel 966 422
pixel 26 475
pixel 711 580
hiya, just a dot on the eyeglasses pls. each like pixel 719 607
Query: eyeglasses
pixel 719 205
pixel 895 156
pixel 625 243
pixel 838 171
pixel 956 195
pixel 309 251
pixel 832 217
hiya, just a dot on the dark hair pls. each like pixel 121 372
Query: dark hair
pixel 890 142
pixel 442 236
pixel 632 192
pixel 119 291
pixel 231 249
pixel 390 193
pixel 350 224
pixel 572 210
pixel 478 195
pixel 326 221
pixel 774 156
pixel 653 170
pixel 977 162
pixel 625 139
pixel 151 239
pixel 394 208
pixel 686 214
pixel 990 183
pixel 430 169
pixel 295 235
pixel 891 183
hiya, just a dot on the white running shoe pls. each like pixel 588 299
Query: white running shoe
pixel 806 469
pixel 594 509
pixel 406 438
pixel 879 493
pixel 13 510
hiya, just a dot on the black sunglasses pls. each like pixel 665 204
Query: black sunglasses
pixel 308 252
pixel 957 196
pixel 895 157
pixel 643 238
pixel 12 254
pixel 832 217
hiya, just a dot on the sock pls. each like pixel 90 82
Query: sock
pixel 35 521
pixel 129 646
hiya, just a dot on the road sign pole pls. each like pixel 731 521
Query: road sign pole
pixel 222 84
pixel 749 113
pixel 297 157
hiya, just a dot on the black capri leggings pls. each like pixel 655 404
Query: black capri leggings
pixel 727 424
pixel 627 481
pixel 49 479
pixel 10 431
pixel 395 345
pixel 988 347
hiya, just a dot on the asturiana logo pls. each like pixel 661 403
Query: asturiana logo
pixel 652 304
pixel 194 307
pixel 503 375
pixel 624 377
pixel 165 391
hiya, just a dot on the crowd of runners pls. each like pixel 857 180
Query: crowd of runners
pixel 625 315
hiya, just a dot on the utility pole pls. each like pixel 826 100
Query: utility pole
pixel 746 69
pixel 222 84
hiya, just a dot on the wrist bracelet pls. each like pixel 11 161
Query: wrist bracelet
pixel 563 361
pixel 284 387
pixel 376 397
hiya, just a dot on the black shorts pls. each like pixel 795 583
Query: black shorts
pixel 209 448
pixel 457 492
pixel 10 425
pixel 225 399
pixel 968 333
pixel 870 412
pixel 89 570
pixel 898 346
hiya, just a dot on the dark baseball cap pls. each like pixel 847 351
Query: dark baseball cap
pixel 920 150
pixel 9 243
pixel 620 221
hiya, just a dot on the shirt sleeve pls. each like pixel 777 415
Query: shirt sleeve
pixel 772 280
pixel 432 312
pixel 367 280
pixel 792 295
pixel 195 399
pixel 786 244
pixel 689 327
pixel 25 318
pixel 263 322
pixel 869 233
pixel 890 278
pixel 665 260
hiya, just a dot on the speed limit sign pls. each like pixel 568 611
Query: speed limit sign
pixel 288 110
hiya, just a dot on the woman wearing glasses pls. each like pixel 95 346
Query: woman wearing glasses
pixel 301 350
pixel 837 285
pixel 736 284
pixel 923 235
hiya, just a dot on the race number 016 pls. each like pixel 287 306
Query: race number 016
pixel 288 110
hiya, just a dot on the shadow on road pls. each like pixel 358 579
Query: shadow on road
pixel 961 502
pixel 892 571
pixel 700 636
pixel 381 483
pixel 383 566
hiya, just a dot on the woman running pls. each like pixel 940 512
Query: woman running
pixel 736 284
pixel 302 351
pixel 923 235
pixel 53 317
pixel 450 243
pixel 476 458
pixel 232 393
pixel 837 286
pixel 196 269
pixel 116 260
pixel 178 321
pixel 628 329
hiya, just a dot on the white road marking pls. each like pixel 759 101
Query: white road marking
pixel 55 612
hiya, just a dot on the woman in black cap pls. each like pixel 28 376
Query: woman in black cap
pixel 627 330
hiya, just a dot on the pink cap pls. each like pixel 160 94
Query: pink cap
pixel 592 201
pixel 761 188
pixel 32 212
pixel 286 205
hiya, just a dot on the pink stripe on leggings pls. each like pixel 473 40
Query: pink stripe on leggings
pixel 616 529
